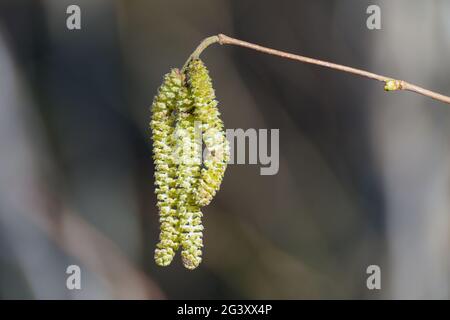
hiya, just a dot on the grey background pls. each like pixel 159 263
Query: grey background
pixel 364 174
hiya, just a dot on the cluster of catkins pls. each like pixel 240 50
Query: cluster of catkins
pixel 184 116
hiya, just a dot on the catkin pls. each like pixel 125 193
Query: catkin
pixel 183 112
pixel 208 115
pixel 162 125
pixel 188 153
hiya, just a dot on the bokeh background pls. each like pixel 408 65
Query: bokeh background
pixel 363 179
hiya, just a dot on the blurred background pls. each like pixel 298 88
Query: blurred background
pixel 363 178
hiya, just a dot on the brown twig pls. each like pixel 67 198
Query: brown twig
pixel 391 84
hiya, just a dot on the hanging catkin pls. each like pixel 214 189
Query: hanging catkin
pixel 217 148
pixel 188 153
pixel 162 125
pixel 185 112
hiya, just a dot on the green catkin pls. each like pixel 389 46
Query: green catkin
pixel 162 125
pixel 189 156
pixel 206 112
pixel 183 112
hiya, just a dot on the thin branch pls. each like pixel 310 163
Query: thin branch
pixel 202 46
pixel 391 84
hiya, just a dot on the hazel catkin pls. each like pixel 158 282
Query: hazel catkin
pixel 162 125
pixel 217 148
pixel 184 112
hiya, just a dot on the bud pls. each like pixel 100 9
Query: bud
pixel 392 85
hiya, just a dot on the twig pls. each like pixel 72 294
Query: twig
pixel 391 84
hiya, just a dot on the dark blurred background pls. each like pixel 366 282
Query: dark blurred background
pixel 363 179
